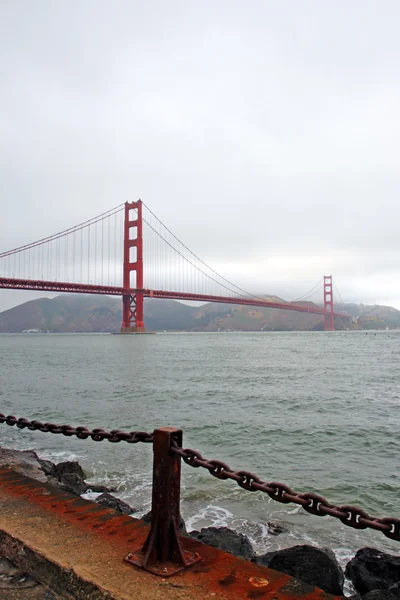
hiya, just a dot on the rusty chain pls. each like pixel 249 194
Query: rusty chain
pixel 83 433
pixel 314 504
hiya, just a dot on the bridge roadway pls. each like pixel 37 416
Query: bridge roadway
pixel 81 288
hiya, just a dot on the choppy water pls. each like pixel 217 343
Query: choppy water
pixel 318 411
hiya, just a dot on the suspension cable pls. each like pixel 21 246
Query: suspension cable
pixel 65 232
pixel 195 266
pixel 338 293
pixel 310 292
pixel 235 289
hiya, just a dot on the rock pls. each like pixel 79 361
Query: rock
pixel 101 489
pixel 13 578
pixel 19 580
pixel 25 462
pixel 70 466
pixel 227 540
pixel 69 476
pixel 47 467
pixel 275 528
pixel 380 595
pixel 372 569
pixel 73 483
pixel 53 481
pixel 17 584
pixel 263 559
pixel 182 527
pixel 395 589
pixel 111 502
pixel 316 566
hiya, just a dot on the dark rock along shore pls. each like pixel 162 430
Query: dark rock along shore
pixel 374 574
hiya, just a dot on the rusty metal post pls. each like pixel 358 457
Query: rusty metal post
pixel 163 553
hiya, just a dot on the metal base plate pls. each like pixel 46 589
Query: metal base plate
pixel 163 569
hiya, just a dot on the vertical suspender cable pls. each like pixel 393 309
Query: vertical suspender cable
pixel 66 270
pixel 115 250
pixel 102 251
pixel 88 256
pixel 95 253
pixel 109 251
pixel 81 281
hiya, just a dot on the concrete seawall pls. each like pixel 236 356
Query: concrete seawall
pixel 77 548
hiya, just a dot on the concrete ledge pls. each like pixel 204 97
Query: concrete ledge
pixel 77 548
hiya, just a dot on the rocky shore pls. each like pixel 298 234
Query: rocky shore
pixel 374 574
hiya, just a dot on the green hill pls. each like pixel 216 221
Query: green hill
pixel 75 313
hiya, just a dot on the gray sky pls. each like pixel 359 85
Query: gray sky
pixel 264 134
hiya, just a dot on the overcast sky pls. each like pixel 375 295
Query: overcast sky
pixel 265 134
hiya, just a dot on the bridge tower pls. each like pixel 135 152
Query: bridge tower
pixel 132 302
pixel 329 320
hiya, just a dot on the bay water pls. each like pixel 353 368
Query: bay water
pixel 319 411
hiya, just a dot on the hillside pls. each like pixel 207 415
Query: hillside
pixel 74 313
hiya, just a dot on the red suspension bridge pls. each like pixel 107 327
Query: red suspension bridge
pixel 152 262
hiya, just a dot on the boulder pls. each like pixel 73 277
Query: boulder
pixel 395 589
pixel 17 584
pixel 101 489
pixel 47 467
pixel 276 528
pixel 115 503
pixel 227 540
pixel 373 569
pixel 67 467
pixel 316 566
pixel 380 595
pixel 263 559
pixel 72 483
pixel 13 579
pixel 69 476
pixel 182 527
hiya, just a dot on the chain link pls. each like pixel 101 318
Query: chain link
pixel 83 433
pixel 352 516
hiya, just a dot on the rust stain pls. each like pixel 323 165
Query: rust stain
pixel 257 594
pixel 82 513
pixel 219 573
pixel 229 579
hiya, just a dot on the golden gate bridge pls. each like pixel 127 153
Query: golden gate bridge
pixel 129 252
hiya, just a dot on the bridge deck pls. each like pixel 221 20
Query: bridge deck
pixel 80 288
